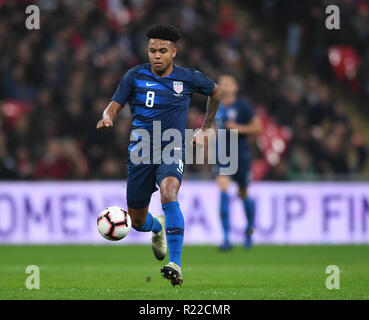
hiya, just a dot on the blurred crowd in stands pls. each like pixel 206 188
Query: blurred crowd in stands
pixel 55 82
pixel 336 54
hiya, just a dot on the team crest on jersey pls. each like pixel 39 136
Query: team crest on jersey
pixel 178 86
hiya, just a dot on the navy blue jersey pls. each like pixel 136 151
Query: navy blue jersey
pixel 166 99
pixel 240 112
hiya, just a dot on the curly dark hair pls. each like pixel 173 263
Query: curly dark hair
pixel 164 32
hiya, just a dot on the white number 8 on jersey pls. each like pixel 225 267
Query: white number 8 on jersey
pixel 150 95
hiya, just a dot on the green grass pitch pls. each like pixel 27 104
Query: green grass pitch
pixel 131 272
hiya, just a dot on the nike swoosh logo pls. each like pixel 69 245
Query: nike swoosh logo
pixel 150 84
pixel 171 231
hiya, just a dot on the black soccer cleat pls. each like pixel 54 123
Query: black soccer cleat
pixel 173 273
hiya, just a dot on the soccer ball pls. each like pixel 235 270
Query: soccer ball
pixel 114 223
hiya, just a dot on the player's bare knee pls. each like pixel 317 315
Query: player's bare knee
pixel 168 195
pixel 242 193
pixel 169 190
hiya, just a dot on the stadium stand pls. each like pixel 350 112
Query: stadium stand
pixel 55 82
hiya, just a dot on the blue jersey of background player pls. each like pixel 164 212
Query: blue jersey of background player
pixel 160 91
pixel 236 113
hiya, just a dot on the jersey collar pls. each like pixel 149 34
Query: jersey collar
pixel 169 76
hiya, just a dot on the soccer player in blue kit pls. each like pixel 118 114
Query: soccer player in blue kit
pixel 160 91
pixel 236 113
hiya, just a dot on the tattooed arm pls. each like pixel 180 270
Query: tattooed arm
pixel 211 108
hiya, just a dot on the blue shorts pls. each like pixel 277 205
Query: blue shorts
pixel 243 175
pixel 143 178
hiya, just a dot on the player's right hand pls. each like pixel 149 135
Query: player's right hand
pixel 199 139
pixel 104 123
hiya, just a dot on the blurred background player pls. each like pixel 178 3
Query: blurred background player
pixel 236 113
pixel 159 91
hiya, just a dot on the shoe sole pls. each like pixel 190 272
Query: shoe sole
pixel 172 275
